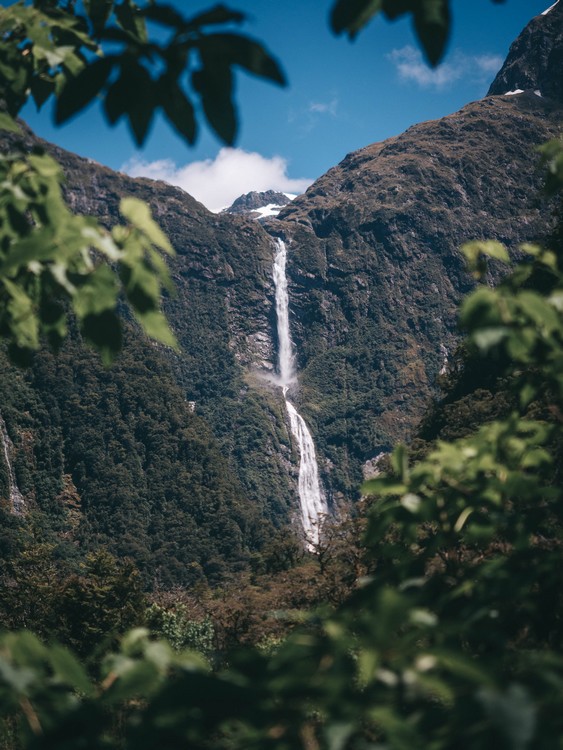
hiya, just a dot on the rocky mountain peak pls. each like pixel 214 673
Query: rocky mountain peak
pixel 535 59
pixel 259 204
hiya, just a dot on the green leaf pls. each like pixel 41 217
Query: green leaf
pixel 411 502
pixel 337 734
pixel 399 461
pixel 166 15
pixel 139 681
pixel 45 165
pixel 16 678
pixel 487 338
pixel 138 214
pixel 513 712
pixel 79 91
pixel 432 25
pixel 131 19
pixel 69 670
pixel 552 161
pixel 103 331
pixel 156 326
pixel 480 309
pixel 115 101
pixel 140 109
pixel 538 309
pixel 24 323
pixel 493 249
pixel 98 11
pixel 214 83
pixel 352 15
pixel 178 108
pixel 8 123
pixel 218 15
pixel 234 49
pixel 41 89
pixel 98 293
pixel 39 246
pixel 383 486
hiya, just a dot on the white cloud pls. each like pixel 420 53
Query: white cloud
pixel 324 108
pixel 488 64
pixel 218 182
pixel 410 66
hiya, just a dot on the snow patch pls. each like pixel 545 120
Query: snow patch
pixel 270 210
pixel 512 93
pixel 551 7
pixel 537 92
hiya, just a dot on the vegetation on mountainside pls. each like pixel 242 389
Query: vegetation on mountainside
pixel 116 457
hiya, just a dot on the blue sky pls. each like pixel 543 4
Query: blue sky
pixel 341 96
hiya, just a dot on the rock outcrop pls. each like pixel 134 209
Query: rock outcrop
pixel 535 60
pixel 251 203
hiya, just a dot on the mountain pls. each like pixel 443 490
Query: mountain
pixel 259 205
pixel 375 276
pixel 535 60
pixel 376 271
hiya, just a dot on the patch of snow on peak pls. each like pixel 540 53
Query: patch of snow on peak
pixel 512 93
pixel 537 92
pixel 270 210
pixel 551 7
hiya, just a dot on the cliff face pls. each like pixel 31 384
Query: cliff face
pixel 376 270
pixel 535 60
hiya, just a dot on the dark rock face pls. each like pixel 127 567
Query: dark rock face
pixel 251 201
pixel 376 273
pixel 535 60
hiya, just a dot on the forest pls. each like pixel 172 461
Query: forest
pixel 428 615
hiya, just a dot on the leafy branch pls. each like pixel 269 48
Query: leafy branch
pixel 52 261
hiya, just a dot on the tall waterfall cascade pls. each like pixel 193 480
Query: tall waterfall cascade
pixel 17 501
pixel 312 502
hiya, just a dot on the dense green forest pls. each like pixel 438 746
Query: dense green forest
pixel 116 458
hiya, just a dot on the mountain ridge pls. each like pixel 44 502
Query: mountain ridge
pixel 535 59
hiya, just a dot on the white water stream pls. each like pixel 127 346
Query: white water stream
pixel 311 499
pixel 16 498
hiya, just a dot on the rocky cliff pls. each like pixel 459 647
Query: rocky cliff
pixel 254 203
pixel 376 269
pixel 535 60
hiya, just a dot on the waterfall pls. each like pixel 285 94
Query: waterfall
pixel 312 502
pixel 16 498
